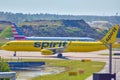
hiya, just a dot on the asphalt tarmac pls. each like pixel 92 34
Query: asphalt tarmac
pixel 95 56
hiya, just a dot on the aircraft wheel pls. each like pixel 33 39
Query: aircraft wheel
pixel 14 54
pixel 59 55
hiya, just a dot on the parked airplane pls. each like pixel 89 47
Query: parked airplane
pixel 52 47
pixel 18 35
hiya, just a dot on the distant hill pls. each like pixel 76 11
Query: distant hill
pixel 52 28
pixel 59 28
pixel 56 24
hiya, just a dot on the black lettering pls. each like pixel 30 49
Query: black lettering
pixel 110 35
pixel 37 44
pixel 54 44
pixel 60 44
pixel 45 44
pixel 51 44
pixel 64 44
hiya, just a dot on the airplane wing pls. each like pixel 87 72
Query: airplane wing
pixel 57 49
pixel 54 50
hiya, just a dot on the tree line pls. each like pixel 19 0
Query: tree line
pixel 20 17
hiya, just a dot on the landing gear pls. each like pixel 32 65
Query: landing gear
pixel 14 54
pixel 59 55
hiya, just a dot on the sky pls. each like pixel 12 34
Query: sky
pixel 63 7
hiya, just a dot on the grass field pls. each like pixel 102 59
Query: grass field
pixel 71 66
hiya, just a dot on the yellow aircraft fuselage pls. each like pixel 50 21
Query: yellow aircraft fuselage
pixel 74 46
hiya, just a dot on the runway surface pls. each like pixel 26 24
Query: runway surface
pixel 95 56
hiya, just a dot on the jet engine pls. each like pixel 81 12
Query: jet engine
pixel 46 52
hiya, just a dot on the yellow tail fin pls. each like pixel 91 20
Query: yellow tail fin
pixel 110 37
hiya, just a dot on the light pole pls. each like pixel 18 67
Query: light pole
pixel 110 58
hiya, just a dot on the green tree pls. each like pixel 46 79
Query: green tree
pixel 6 33
pixel 4 67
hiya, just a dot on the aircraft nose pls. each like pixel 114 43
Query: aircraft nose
pixel 3 47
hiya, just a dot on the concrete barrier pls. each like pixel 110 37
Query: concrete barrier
pixel 10 75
